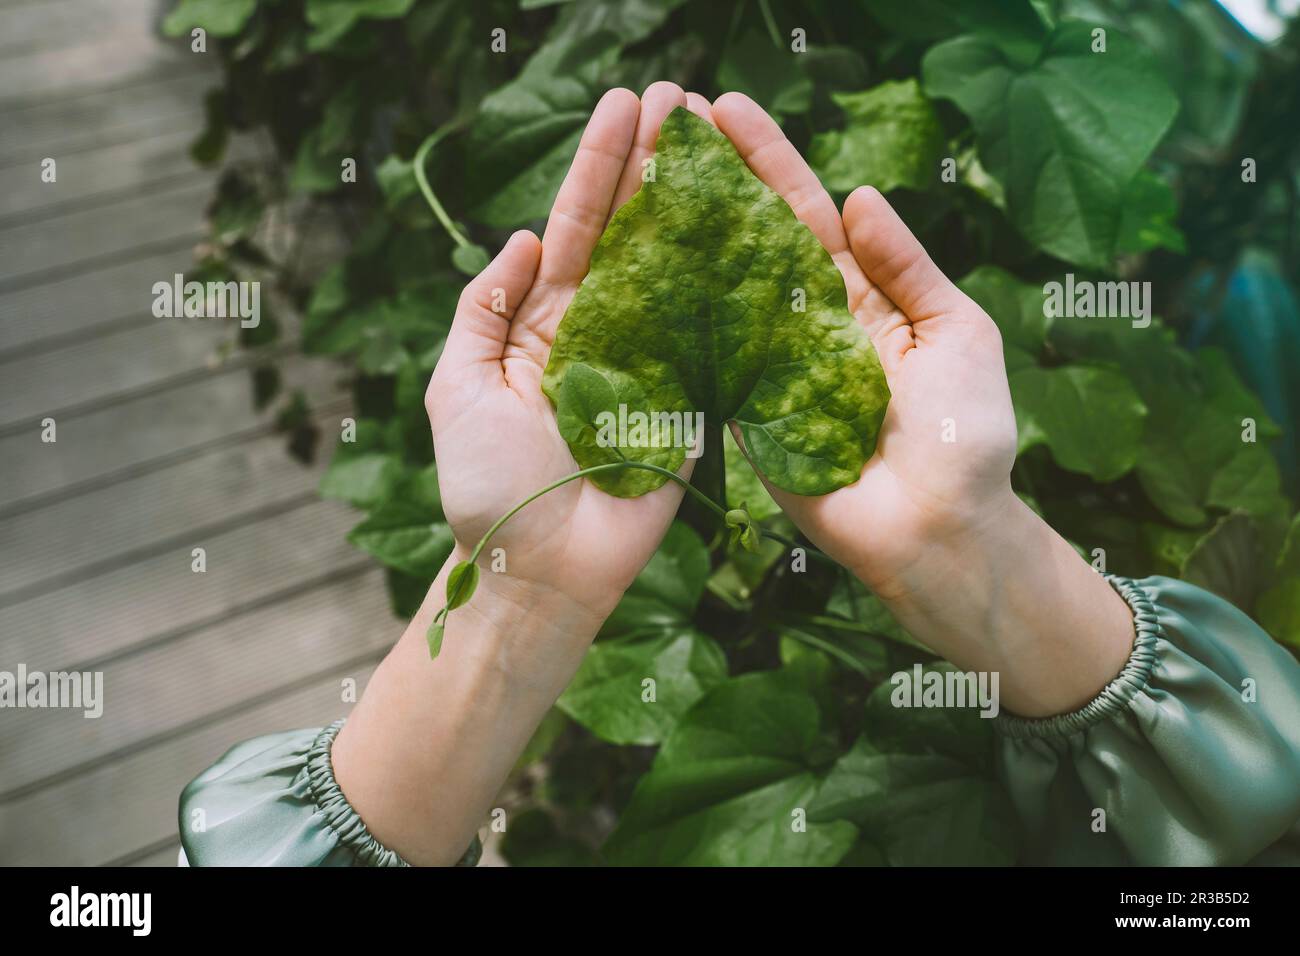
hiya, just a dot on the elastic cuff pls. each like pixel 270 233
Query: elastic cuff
pixel 345 821
pixel 1116 695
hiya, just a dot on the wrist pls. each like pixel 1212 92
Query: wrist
pixel 425 752
pixel 1007 594
pixel 520 633
pixel 915 568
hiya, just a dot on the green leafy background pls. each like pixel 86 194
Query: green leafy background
pixel 1015 151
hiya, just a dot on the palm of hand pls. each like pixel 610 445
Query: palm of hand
pixel 494 431
pixel 945 449
pixel 948 441
pixel 499 443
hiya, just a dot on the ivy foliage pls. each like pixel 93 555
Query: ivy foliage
pixel 1018 153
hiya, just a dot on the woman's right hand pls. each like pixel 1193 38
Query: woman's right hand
pixel 932 526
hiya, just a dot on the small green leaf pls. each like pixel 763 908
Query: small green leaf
pixel 435 635
pixel 608 695
pixel 405 536
pixel 470 260
pixel 741 527
pixel 1150 215
pixel 316 170
pixel 363 479
pixel 396 179
pixel 220 18
pixel 333 18
pixel 461 584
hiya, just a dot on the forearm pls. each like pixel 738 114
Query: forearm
pixel 427 749
pixel 1010 595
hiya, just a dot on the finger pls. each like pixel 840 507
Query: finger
pixel 698 105
pixel 583 203
pixel 657 102
pixel 777 163
pixel 482 322
pixel 894 260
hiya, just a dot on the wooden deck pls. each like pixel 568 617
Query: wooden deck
pixel 159 451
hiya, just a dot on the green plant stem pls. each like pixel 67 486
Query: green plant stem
pixel 791 543
pixel 583 473
pixel 421 156
pixel 700 496
pixel 839 624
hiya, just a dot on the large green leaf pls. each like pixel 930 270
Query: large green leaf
pixel 1090 418
pixel 1208 62
pixel 649 637
pixel 1065 134
pixel 527 130
pixel 919 809
pixel 891 138
pixel 728 785
pixel 920 785
pixel 692 305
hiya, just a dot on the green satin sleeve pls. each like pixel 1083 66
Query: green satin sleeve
pixel 1192 752
pixel 273 801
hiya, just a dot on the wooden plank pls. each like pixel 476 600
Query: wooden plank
pixel 106 365
pixel 104 445
pixel 38 252
pixel 79 536
pixel 130 803
pixel 56 24
pixel 105 117
pixel 131 51
pixel 187 681
pixel 87 177
pixel 161 598
pixel 45 315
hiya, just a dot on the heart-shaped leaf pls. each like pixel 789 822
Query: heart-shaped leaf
pixel 706 295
